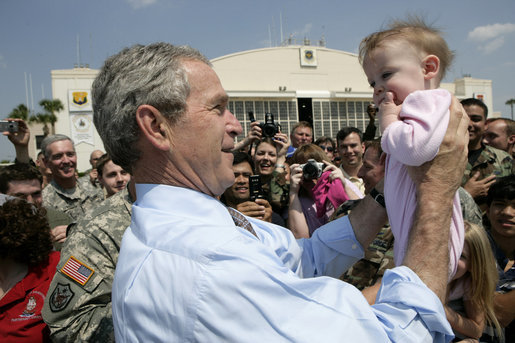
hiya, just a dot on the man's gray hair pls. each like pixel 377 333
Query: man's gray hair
pixel 52 139
pixel 139 75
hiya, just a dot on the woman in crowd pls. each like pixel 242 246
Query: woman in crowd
pixel 270 164
pixel 314 197
pixel 27 266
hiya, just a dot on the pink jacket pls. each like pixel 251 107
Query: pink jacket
pixel 411 141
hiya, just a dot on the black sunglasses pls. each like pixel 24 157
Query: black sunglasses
pixel 328 148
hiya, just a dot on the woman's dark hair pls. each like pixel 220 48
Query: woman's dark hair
pixel 503 189
pixel 325 139
pixel 24 233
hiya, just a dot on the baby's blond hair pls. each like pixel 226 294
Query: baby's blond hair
pixel 416 33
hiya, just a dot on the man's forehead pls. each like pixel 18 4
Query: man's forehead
pixel 303 128
pixel 497 126
pixel 15 185
pixel 96 154
pixel 371 156
pixel 351 138
pixel 60 146
pixel 474 110
pixel 242 167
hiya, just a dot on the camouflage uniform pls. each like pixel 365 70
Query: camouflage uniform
pixel 85 181
pixel 75 203
pixel 277 191
pixel 81 311
pixel 469 208
pixel 57 218
pixel 378 256
pixel 490 161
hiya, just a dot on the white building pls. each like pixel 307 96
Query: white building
pixel 324 86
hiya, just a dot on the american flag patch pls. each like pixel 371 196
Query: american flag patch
pixel 77 270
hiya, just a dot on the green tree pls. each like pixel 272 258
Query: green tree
pixel 511 102
pixel 48 117
pixel 20 112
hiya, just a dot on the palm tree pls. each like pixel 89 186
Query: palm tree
pixel 511 102
pixel 45 119
pixel 48 117
pixel 20 112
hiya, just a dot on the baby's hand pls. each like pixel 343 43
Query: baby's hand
pixel 388 111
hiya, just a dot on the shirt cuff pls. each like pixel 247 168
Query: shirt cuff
pixel 404 301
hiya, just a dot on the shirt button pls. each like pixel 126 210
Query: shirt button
pixel 354 246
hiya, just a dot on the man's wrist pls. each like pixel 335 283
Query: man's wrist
pixel 378 197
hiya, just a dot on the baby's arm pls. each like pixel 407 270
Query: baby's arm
pixel 472 325
pixel 415 138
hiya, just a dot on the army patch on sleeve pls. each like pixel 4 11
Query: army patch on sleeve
pixel 60 297
pixel 77 271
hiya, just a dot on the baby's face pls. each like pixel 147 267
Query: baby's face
pixel 394 67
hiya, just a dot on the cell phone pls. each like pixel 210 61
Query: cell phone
pixel 11 126
pixel 256 191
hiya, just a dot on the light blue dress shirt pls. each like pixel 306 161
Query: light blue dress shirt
pixel 186 273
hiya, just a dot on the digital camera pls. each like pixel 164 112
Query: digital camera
pixel 10 126
pixel 312 169
pixel 269 128
pixel 256 191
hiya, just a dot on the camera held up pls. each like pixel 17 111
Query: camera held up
pixel 269 128
pixel 312 169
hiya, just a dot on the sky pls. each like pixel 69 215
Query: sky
pixel 37 36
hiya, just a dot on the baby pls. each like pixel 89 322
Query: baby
pixel 405 65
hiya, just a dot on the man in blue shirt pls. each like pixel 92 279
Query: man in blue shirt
pixel 191 269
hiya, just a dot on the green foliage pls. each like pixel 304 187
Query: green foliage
pixel 50 108
pixel 20 112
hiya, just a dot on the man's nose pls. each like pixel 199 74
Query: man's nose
pixel 233 126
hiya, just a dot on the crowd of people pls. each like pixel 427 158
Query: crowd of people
pixel 287 237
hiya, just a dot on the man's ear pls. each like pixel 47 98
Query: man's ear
pixel 382 158
pixel 431 66
pixel 511 139
pixel 153 126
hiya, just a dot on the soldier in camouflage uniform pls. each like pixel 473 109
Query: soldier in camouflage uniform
pixel 75 204
pixel 78 303
pixel 491 161
pixel 64 193
pixel 484 162
pixel 277 190
pixel 90 178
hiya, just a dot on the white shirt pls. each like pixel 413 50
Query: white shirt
pixel 186 273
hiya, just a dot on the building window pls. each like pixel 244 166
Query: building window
pixel 328 116
pixel 285 113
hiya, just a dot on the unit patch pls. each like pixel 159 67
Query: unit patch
pixel 77 271
pixel 60 297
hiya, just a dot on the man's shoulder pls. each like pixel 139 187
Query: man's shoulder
pixel 492 160
pixel 497 154
pixel 49 190
pixel 110 217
